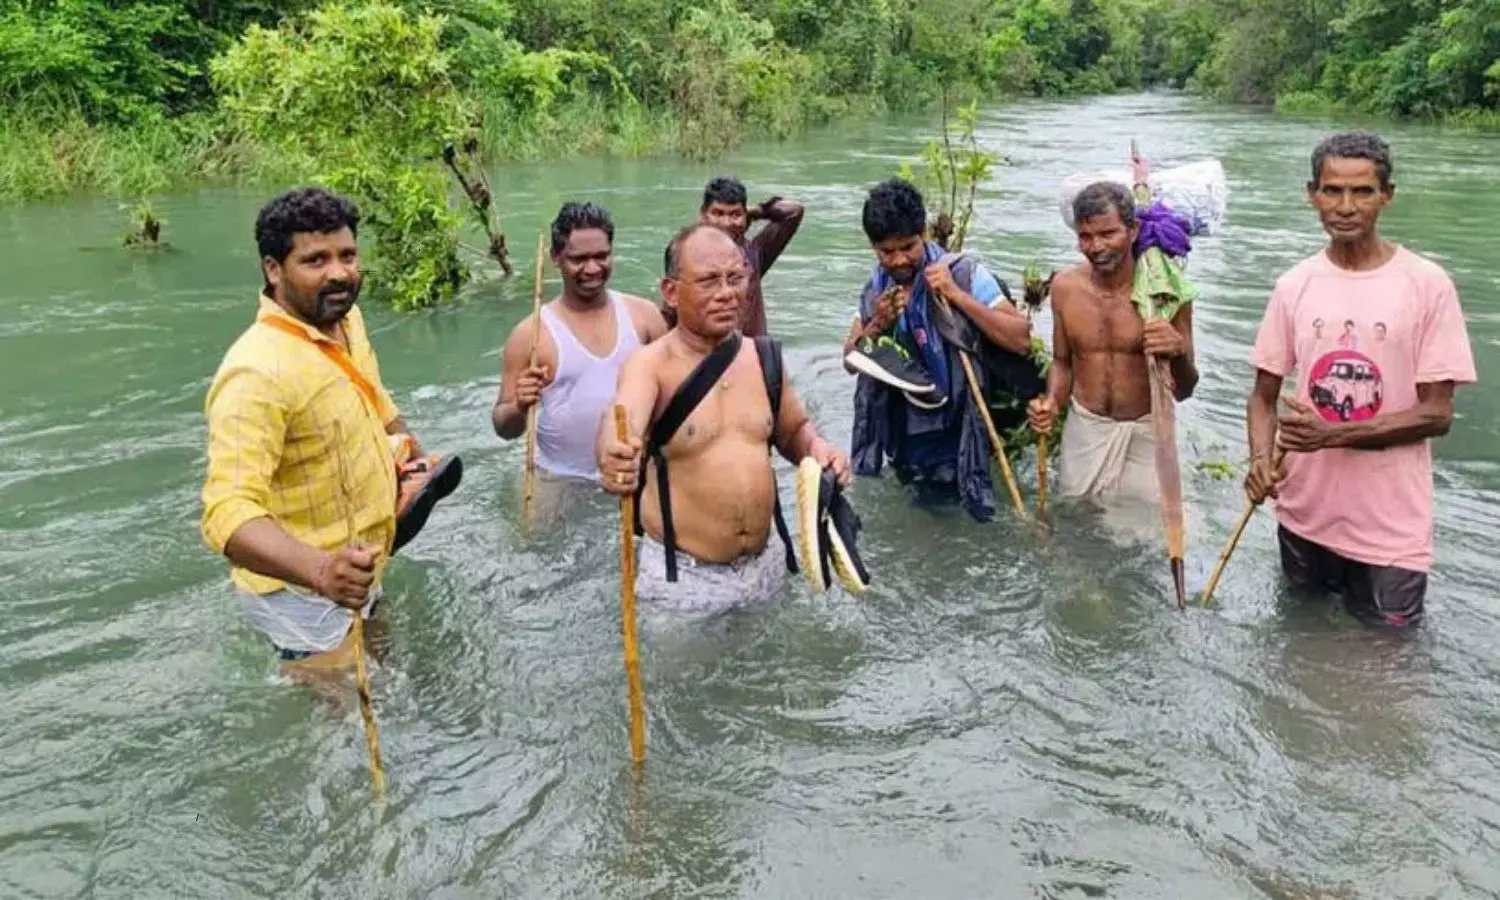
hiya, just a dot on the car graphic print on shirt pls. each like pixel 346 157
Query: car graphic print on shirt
pixel 1345 386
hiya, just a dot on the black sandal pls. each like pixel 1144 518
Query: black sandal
pixel 439 481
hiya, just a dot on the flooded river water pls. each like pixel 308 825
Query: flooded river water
pixel 1000 716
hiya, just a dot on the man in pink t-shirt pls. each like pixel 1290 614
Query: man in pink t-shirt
pixel 1378 340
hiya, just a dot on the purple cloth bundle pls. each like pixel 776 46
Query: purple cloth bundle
pixel 1163 229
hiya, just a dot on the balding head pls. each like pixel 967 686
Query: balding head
pixel 705 281
pixel 672 258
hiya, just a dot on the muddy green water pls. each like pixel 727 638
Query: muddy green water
pixel 999 717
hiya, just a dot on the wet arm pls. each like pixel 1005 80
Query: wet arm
pixel 261 546
pixel 637 391
pixel 796 436
pixel 654 326
pixel 509 419
pixel 1431 417
pixel 1060 376
pixel 645 318
pixel 1002 324
pixel 1260 414
pixel 783 218
pixel 1184 367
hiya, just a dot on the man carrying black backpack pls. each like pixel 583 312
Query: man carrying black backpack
pixel 704 408
pixel 912 405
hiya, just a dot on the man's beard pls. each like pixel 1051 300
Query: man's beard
pixel 325 311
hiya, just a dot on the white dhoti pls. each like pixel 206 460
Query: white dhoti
pixel 1105 458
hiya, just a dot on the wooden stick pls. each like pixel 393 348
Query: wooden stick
pixel 989 426
pixel 361 676
pixel 1168 468
pixel 975 393
pixel 996 444
pixel 1041 474
pixel 1169 476
pixel 627 610
pixel 1234 539
pixel 531 413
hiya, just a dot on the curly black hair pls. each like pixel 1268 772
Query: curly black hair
pixel 574 216
pixel 1355 145
pixel 725 189
pixel 894 209
pixel 304 210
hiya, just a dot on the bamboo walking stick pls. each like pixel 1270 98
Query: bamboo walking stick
pixel 361 676
pixel 989 426
pixel 627 610
pixel 996 443
pixel 1041 474
pixel 1234 539
pixel 531 413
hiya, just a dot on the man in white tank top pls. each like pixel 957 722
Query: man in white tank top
pixel 587 333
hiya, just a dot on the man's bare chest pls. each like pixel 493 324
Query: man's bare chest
pixel 1104 324
pixel 735 408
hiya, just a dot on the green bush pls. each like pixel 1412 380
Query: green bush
pixel 366 93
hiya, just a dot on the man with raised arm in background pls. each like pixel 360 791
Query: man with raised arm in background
pixel 725 205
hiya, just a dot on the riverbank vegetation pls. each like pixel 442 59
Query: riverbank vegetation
pixel 135 97
pixel 112 95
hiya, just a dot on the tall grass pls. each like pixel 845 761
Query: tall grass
pixel 588 125
pixel 48 152
pixel 1314 103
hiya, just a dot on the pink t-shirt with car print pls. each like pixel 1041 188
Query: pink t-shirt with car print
pixel 1360 343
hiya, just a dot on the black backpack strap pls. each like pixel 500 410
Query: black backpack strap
pixel 771 368
pixel 696 386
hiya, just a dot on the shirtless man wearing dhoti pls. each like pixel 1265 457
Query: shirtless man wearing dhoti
pixel 709 495
pixel 1099 347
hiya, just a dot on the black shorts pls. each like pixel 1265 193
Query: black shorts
pixel 1385 595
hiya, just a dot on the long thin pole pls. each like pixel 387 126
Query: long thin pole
pixel 989 426
pixel 996 444
pixel 535 408
pixel 1041 474
pixel 627 610
pixel 361 676
pixel 1168 469
pixel 1234 539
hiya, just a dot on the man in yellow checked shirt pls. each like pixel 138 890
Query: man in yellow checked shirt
pixel 303 438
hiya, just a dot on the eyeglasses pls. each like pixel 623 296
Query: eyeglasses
pixel 733 280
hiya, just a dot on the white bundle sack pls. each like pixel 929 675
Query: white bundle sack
pixel 1197 191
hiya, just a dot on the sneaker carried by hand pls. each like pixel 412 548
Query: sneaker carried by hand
pixel 885 361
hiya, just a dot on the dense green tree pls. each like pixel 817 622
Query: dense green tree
pixel 114 95
pixel 367 95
